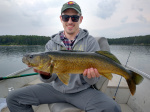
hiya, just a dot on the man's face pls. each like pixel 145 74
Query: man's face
pixel 71 27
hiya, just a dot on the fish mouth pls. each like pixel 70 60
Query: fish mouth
pixel 24 60
pixel 28 63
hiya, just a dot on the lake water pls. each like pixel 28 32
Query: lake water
pixel 11 57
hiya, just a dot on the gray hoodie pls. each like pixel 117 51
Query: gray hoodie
pixel 78 82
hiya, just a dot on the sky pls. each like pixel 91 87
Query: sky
pixel 102 18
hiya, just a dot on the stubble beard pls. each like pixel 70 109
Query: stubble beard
pixel 70 32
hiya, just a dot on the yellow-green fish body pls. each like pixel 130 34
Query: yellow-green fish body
pixel 64 62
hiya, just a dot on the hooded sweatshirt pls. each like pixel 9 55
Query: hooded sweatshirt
pixel 78 82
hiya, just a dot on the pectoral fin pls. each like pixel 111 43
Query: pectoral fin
pixel 64 78
pixel 108 76
pixel 51 67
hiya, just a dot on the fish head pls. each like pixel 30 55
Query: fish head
pixel 36 60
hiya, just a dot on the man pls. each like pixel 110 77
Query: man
pixel 79 91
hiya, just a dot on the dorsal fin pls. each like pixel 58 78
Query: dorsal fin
pixel 109 55
pixel 71 50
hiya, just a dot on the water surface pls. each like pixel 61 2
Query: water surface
pixel 11 57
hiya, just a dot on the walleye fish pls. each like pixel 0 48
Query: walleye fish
pixel 64 62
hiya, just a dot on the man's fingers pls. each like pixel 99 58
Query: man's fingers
pixel 85 72
pixel 96 73
pixel 91 73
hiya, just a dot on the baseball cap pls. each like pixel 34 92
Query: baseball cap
pixel 72 5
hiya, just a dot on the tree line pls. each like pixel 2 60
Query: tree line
pixel 42 40
pixel 136 40
pixel 23 40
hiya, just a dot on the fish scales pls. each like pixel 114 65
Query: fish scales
pixel 76 63
pixel 64 62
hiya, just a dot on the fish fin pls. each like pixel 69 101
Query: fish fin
pixel 51 66
pixel 136 78
pixel 131 85
pixel 108 76
pixel 72 50
pixel 109 55
pixel 64 78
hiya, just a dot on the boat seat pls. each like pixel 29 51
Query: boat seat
pixel 100 85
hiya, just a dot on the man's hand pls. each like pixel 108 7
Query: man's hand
pixel 91 73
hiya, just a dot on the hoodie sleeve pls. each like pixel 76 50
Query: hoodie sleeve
pixel 48 46
pixel 52 78
pixel 92 45
pixel 91 81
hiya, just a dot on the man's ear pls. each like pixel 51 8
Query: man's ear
pixel 81 18
pixel 60 18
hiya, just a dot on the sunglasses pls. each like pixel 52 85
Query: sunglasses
pixel 74 18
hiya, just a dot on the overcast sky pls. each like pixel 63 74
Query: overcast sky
pixel 107 18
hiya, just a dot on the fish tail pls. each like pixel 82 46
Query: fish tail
pixel 136 78
pixel 131 85
pixel 133 81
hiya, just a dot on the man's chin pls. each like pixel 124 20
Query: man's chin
pixel 70 32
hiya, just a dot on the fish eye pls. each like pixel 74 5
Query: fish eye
pixel 31 56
